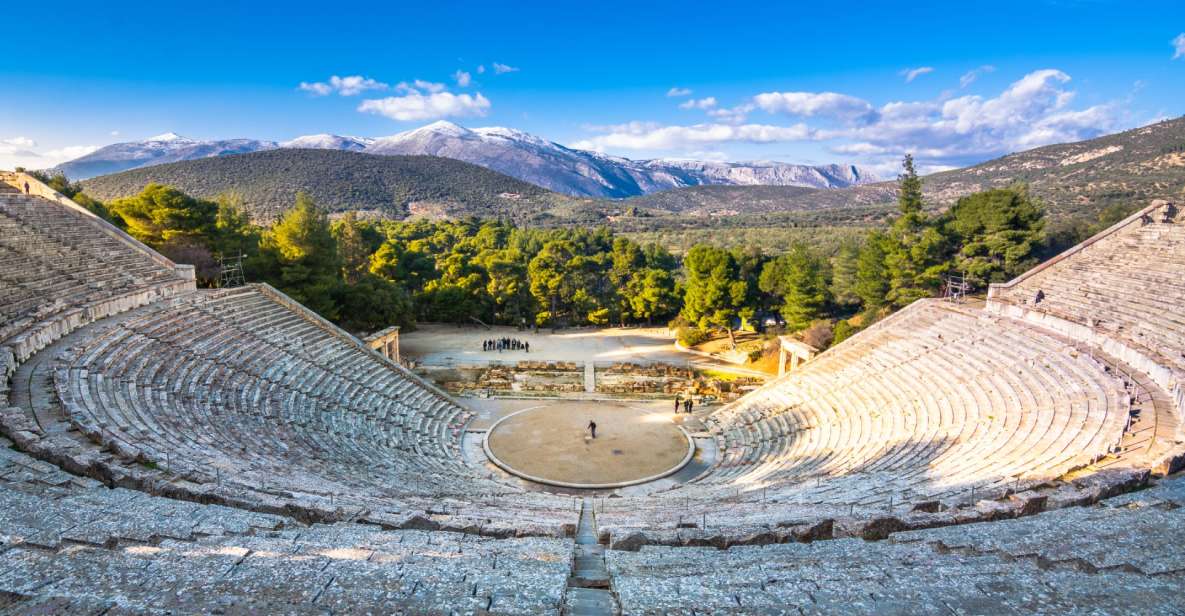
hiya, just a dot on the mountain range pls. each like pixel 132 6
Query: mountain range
pixel 1074 180
pixel 512 152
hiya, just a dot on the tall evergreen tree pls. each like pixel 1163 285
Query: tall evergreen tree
pixel 914 251
pixel 714 292
pixel 303 254
pixel 998 231
pixel 872 277
pixel 797 277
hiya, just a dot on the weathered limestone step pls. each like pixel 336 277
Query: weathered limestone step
pixel 590 602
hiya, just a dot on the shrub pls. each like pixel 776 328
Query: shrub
pixel 690 336
pixel 843 330
pixel 818 335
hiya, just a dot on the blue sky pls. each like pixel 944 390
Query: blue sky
pixel 796 82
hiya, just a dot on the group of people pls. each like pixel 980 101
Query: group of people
pixel 686 404
pixel 506 344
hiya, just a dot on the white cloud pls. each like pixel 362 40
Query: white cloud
pixel 677 92
pixel 419 85
pixel 351 85
pixel 21 152
pixel 970 76
pixel 1179 46
pixel 61 155
pixel 1033 111
pixel 19 142
pixel 500 68
pixel 463 78
pixel 808 104
pixel 316 88
pixel 700 103
pixel 427 105
pixel 649 136
pixel 481 68
pixel 114 133
pixel 913 73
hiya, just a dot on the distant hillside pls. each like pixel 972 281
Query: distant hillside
pixel 1074 179
pixel 391 186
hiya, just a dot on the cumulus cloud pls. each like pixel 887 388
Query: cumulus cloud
pixel 423 104
pixel 677 92
pixel 1035 110
pixel 19 142
pixel 22 152
pixel 648 136
pixel 699 103
pixel 808 104
pixel 463 78
pixel 500 68
pixel 1179 46
pixel 913 73
pixel 481 68
pixel 351 85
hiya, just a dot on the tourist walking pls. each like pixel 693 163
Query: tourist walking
pixel 687 406
pixel 592 427
pixel 677 403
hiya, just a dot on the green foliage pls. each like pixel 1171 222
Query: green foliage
pixel 714 292
pixel 914 247
pixel 689 336
pixel 844 274
pixel 162 213
pixel 798 279
pixel 999 231
pixel 371 304
pixel 872 277
pixel 842 331
pixel 301 255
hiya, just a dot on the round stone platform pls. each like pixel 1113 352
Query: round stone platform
pixel 548 444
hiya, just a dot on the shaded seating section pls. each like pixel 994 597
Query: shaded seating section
pixel 59 270
pixel 70 545
pixel 939 403
pixel 235 391
pixel 1112 559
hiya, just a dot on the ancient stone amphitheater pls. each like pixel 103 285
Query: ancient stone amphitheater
pixel 168 449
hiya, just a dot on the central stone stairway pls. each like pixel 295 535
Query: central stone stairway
pixel 588 586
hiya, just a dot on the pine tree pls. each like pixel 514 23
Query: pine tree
pixel 914 250
pixel 303 254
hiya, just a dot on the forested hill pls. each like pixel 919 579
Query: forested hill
pixel 392 186
pixel 1074 179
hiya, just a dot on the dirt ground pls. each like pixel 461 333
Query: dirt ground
pixel 549 441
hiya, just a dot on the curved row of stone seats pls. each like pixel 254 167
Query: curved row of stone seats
pixel 237 393
pixel 1121 291
pixel 75 546
pixel 941 404
pixel 62 267
pixel 1112 559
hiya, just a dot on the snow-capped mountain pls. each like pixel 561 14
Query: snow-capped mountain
pixel 584 173
pixel 166 148
pixel 325 141
pixel 515 153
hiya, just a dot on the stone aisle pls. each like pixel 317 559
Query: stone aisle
pixel 589 591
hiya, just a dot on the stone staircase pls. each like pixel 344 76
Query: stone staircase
pixel 589 591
